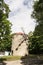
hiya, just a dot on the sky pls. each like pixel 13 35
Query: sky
pixel 20 15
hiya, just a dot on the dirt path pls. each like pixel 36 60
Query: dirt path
pixel 17 62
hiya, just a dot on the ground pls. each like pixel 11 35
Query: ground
pixel 27 60
pixel 19 62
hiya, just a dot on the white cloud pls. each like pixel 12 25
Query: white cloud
pixel 20 16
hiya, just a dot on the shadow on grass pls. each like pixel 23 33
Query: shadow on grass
pixel 2 61
pixel 31 60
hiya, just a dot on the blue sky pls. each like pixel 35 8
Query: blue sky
pixel 20 15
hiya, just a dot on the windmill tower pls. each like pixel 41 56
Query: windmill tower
pixel 19 44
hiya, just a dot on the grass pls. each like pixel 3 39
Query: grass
pixel 10 58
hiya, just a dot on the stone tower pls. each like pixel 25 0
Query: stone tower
pixel 19 45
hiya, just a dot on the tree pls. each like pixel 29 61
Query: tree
pixel 38 16
pixel 37 39
pixel 5 27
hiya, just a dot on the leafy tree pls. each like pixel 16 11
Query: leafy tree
pixel 5 27
pixel 36 46
pixel 38 16
pixel 37 39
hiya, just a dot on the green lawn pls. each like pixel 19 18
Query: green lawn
pixel 10 58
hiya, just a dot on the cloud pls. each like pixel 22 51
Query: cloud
pixel 28 3
pixel 18 6
pixel 20 15
pixel 14 12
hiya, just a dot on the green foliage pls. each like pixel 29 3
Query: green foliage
pixel 5 27
pixel 37 38
pixel 38 11
pixel 38 30
pixel 37 44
